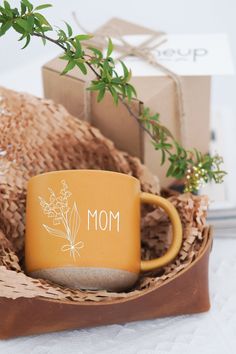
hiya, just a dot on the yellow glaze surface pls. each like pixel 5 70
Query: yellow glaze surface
pixel 89 218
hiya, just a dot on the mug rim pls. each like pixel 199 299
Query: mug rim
pixel 85 171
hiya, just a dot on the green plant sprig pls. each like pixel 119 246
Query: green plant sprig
pixel 191 165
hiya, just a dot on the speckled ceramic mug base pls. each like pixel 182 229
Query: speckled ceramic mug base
pixel 89 278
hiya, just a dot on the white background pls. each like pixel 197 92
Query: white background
pixel 210 333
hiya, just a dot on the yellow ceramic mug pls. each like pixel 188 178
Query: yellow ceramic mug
pixel 83 229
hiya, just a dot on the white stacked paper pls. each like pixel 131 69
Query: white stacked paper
pixel 222 210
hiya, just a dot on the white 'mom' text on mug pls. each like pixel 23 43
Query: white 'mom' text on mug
pixel 103 220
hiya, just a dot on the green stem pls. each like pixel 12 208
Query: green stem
pixel 49 39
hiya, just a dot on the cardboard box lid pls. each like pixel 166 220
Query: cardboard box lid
pixel 184 54
pixel 124 27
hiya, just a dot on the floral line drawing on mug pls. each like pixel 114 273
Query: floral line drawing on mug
pixel 58 209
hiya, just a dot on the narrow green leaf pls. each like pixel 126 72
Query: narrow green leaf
pixel 8 10
pixel 22 37
pixel 170 170
pixel 163 157
pixel 7 5
pixel 107 70
pixel 27 42
pixel 69 29
pixel 101 94
pixel 69 67
pixel 84 37
pixel 133 90
pixel 129 76
pixel 42 19
pixel 198 156
pixel 109 47
pixel 97 86
pixel 78 48
pixel 4 28
pixel 114 95
pixel 27 4
pixel 129 92
pixel 41 7
pixel 23 8
pixel 116 80
pixel 125 70
pixel 82 67
pixel 97 52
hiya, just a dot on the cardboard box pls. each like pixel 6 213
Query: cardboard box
pixel 158 92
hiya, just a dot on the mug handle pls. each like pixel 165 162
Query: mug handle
pixel 177 232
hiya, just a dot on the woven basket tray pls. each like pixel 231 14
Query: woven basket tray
pixel 38 136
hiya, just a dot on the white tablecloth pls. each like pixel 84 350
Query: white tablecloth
pixel 208 333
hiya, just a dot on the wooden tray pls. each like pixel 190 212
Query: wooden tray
pixel 185 293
